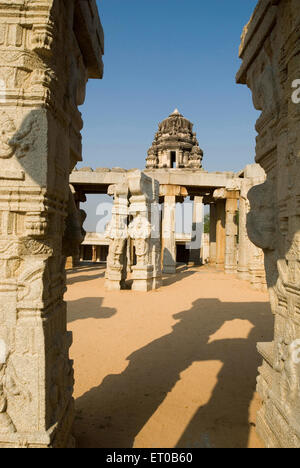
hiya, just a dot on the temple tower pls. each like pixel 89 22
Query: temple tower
pixel 175 145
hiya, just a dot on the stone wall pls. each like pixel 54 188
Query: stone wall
pixel 270 51
pixel 48 49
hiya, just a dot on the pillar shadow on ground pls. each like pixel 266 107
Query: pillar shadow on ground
pixel 182 272
pixel 112 414
pixel 85 277
pixel 87 308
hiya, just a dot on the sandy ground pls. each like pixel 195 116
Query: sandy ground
pixel 170 368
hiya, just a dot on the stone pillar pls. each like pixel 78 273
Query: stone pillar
pixel 197 232
pixel 79 197
pixel 94 253
pixel 271 69
pixel 231 233
pixel 169 194
pixel 98 253
pixel 244 243
pixel 69 263
pixel 220 234
pixel 155 241
pixel 213 234
pixel 169 234
pixel 144 230
pixel 81 253
pixel 117 233
pixel 48 50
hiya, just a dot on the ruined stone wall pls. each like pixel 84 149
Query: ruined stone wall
pixel 270 51
pixel 48 49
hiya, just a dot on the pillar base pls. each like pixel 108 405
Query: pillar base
pixel 114 281
pixel 58 436
pixel 142 278
pixel 230 271
pixel 243 274
pixel 157 282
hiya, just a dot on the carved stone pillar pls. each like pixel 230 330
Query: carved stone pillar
pixel 231 233
pixel 213 234
pixel 271 68
pixel 251 258
pixel 79 197
pixel 94 253
pixel 197 232
pixel 220 234
pixel 244 242
pixel 227 203
pixel 117 232
pixel 170 192
pixel 46 56
pixel 144 230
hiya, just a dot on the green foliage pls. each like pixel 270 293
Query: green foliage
pixel 206 223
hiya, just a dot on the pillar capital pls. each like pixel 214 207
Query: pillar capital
pixel 223 193
pixel 172 191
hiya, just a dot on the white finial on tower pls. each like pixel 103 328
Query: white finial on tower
pixel 176 112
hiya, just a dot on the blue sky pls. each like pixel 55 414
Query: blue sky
pixel 163 54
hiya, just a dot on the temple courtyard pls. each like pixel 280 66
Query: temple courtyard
pixel 175 367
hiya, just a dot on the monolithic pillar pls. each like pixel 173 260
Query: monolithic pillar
pixel 117 233
pixel 48 50
pixel 169 234
pixel 251 258
pixel 94 253
pixel 244 242
pixel 231 232
pixel 169 194
pixel 220 234
pixel 79 197
pixel 81 253
pixel 213 234
pixel 144 231
pixel 197 232
pixel 271 68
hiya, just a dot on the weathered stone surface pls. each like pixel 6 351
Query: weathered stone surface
pixel 43 72
pixel 213 234
pixel 117 233
pixel 270 52
pixel 137 200
pixel 175 145
pixel 196 249
pixel 226 232
pixel 251 265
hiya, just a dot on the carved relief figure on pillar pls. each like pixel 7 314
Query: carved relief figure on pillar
pixel 270 55
pixel 48 50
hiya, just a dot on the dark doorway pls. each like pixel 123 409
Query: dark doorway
pixel 103 253
pixel 183 254
pixel 173 159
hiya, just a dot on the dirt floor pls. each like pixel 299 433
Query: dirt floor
pixel 171 368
